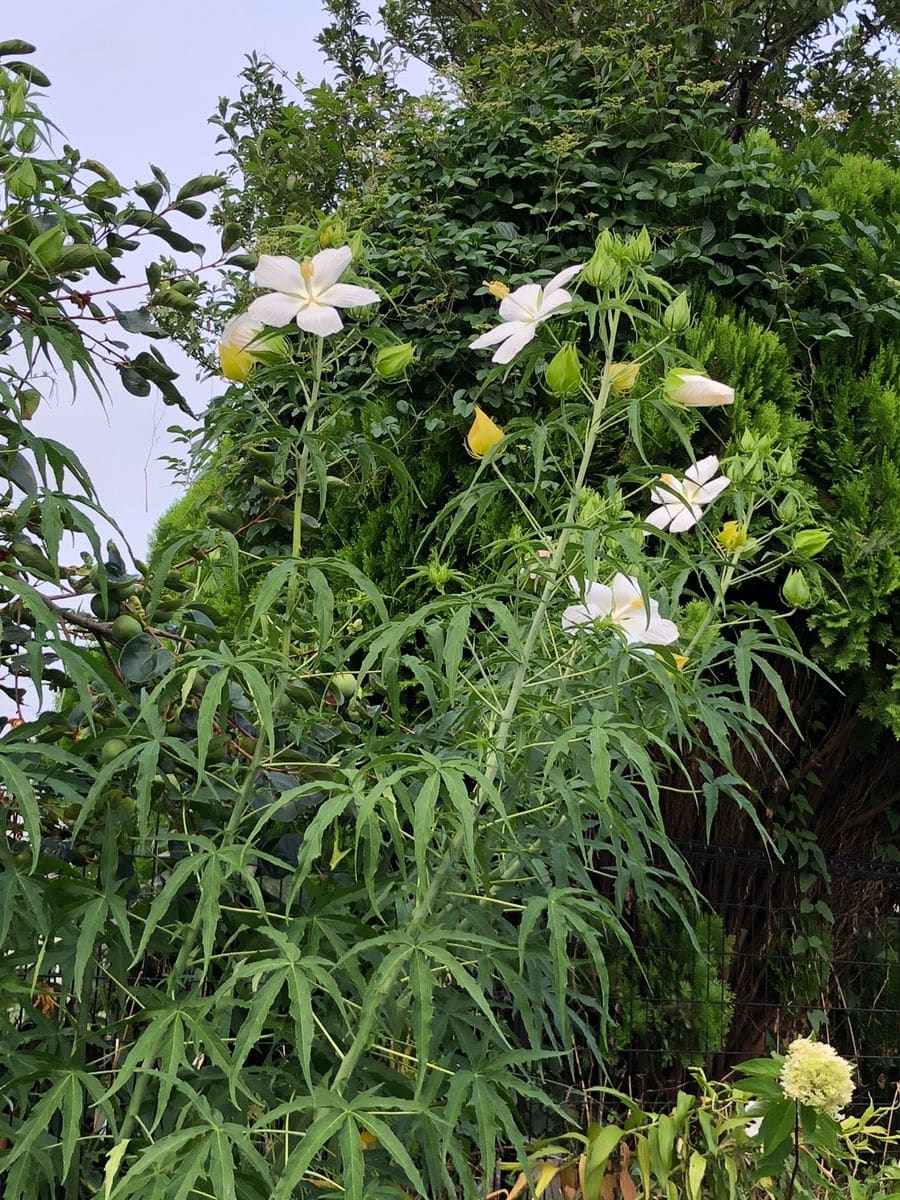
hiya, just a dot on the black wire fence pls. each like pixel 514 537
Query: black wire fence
pixel 782 951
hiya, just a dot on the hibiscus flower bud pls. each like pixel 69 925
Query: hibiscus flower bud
pixel 693 390
pixel 391 361
pixel 603 270
pixel 810 542
pixel 787 509
pixel 332 233
pixel 785 464
pixel 677 316
pixel 639 247
pixel 483 434
pixel 795 589
pixel 623 377
pixel 563 374
pixel 29 400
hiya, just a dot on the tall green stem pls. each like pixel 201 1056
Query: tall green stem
pixel 501 734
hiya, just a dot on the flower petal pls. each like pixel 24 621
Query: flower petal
pixel 519 339
pixel 498 334
pixel 576 616
pixel 561 278
pixel 626 595
pixel 275 309
pixel 656 632
pixel 550 302
pixel 320 319
pixel 660 517
pixel 329 266
pixel 599 598
pixel 702 471
pixel 241 330
pixel 522 304
pixel 347 295
pixel 685 518
pixel 280 273
pixel 707 492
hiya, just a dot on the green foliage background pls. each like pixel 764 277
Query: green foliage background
pixel 318 880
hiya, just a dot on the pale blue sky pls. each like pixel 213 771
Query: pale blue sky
pixel 134 84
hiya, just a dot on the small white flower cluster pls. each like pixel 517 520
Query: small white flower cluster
pixel 814 1074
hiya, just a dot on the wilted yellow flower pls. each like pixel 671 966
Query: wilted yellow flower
pixel 235 360
pixel 814 1074
pixel 623 377
pixel 483 434
pixel 731 536
pixel 497 289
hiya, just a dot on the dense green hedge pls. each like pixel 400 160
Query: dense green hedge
pixel 791 254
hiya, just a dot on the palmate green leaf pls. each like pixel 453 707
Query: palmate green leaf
pixel 453 647
pixel 162 1152
pixel 93 919
pixel 424 825
pixel 312 1142
pixel 16 783
pixel 260 1010
pixel 352 1162
pixel 435 949
pixel 421 983
pixel 202 850
pixel 65 1097
pixel 271 588
pixel 323 604
pixel 356 577
pixel 392 1145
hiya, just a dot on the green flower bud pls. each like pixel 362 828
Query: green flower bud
pixel 639 248
pixel 603 270
pixel 564 372
pixel 391 361
pixel 810 542
pixel 677 316
pixel 747 441
pixel 29 399
pixel 787 509
pixel 795 589
pixel 785 464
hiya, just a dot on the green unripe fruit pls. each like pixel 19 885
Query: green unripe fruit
pixel 126 627
pixel 107 609
pixel 639 247
pixel 112 749
pixel 266 458
pixel 266 487
pixel 344 684
pixel 29 399
pixel 32 559
pixel 223 519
